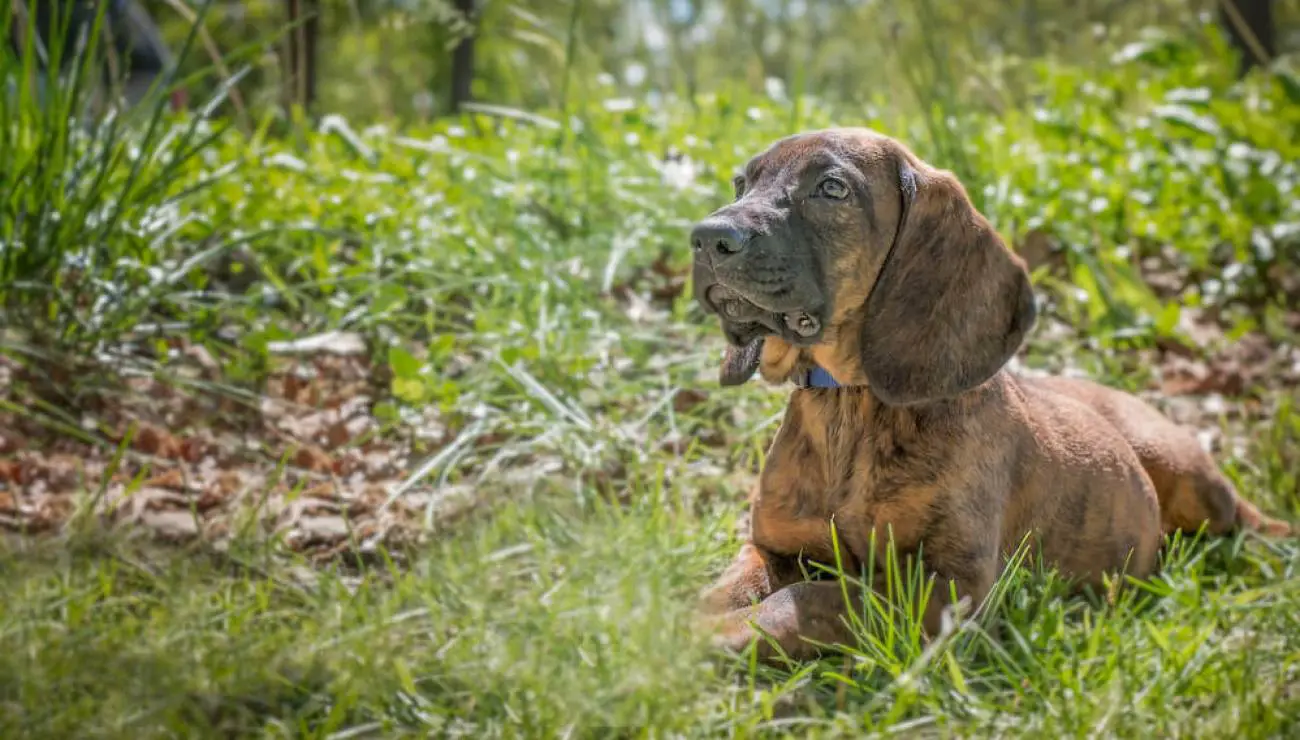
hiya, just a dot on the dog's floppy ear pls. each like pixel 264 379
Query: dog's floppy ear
pixel 950 305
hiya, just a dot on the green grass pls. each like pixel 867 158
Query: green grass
pixel 559 617
pixel 519 284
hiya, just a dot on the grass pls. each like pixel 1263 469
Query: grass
pixel 557 618
pixel 517 284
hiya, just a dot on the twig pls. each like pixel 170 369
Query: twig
pixel 218 63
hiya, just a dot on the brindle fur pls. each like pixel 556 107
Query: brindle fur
pixel 935 443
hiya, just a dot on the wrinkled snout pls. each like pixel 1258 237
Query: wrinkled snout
pixel 757 279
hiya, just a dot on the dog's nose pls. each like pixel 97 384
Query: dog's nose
pixel 718 236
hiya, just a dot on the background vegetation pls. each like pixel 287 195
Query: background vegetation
pixel 349 415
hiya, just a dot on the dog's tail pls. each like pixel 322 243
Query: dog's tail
pixel 1250 517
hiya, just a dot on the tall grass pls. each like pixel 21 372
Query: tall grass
pixel 90 189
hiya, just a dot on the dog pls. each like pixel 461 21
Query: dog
pixel 865 276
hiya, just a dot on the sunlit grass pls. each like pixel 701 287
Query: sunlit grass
pixel 557 615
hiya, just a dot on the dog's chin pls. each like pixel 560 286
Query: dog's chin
pixel 783 326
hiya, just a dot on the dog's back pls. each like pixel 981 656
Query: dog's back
pixel 1190 487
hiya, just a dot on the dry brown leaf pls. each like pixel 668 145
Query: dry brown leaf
pixel 688 398
pixel 154 440
pixel 173 479
pixel 325 491
pixel 313 458
pixel 195 448
pixel 227 483
pixel 338 435
pixel 209 500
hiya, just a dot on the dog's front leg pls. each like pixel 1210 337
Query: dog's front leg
pixel 804 616
pixel 795 618
pixel 754 575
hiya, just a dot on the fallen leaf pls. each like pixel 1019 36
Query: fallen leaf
pixel 687 399
pixel 332 342
pixel 177 524
pixel 323 528
pixel 324 491
pixel 154 440
pixel 291 386
pixel 311 457
pixel 173 479
pixel 195 448
pixel 227 484
pixel 338 434
pixel 209 500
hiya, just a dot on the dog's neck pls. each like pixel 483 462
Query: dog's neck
pixel 833 364
pixel 837 420
pixel 817 377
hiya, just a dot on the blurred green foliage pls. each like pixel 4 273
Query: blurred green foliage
pixel 1157 150
pixel 390 58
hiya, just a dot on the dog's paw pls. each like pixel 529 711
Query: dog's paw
pixel 734 639
pixel 713 602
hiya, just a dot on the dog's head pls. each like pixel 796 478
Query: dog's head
pixel 845 249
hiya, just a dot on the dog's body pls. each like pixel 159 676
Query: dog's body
pixel 889 280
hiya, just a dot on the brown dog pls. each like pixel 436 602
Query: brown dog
pixel 846 256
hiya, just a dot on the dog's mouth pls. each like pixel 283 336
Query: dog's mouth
pixel 744 321
pixel 746 324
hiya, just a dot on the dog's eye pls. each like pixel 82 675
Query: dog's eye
pixel 738 184
pixel 833 188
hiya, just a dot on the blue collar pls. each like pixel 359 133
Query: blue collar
pixel 817 377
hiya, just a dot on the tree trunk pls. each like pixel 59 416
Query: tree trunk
pixel 301 80
pixel 1249 24
pixel 462 59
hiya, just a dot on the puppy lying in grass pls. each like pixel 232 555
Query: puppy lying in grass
pixel 866 277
